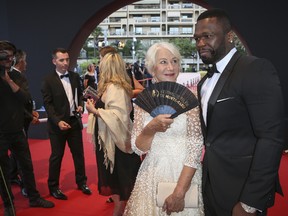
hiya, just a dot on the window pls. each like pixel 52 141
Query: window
pixel 187 30
pixel 173 30
pixel 155 19
pixel 138 30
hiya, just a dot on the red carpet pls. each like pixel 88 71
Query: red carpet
pixel 79 204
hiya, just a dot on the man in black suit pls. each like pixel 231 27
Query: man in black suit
pixel 12 136
pixel 30 116
pixel 243 117
pixel 62 96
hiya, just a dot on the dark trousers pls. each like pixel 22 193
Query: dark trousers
pixel 211 208
pixel 17 143
pixel 58 141
pixel 15 170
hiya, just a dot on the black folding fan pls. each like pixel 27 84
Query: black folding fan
pixel 166 98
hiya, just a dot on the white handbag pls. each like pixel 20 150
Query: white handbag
pixel 164 189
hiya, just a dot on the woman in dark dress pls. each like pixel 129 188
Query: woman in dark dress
pixel 125 170
pixel 89 78
pixel 117 165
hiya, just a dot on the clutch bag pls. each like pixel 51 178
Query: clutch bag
pixel 164 189
pixel 90 93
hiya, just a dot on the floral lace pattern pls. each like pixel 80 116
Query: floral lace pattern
pixel 181 144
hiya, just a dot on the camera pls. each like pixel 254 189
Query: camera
pixel 77 114
pixel 3 56
pixel 2 71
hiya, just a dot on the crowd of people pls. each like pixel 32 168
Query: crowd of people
pixel 229 145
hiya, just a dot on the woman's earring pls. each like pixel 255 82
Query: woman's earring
pixel 153 80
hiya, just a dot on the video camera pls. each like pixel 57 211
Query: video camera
pixel 3 56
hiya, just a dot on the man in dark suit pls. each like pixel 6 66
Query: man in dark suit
pixel 12 136
pixel 243 117
pixel 30 116
pixel 62 95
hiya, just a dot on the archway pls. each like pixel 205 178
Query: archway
pixel 97 18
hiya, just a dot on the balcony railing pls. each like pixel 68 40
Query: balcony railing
pixel 115 34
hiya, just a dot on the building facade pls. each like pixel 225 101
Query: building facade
pixel 150 21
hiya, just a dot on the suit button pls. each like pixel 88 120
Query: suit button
pixel 208 144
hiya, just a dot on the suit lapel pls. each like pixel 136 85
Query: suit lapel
pixel 199 86
pixel 221 82
pixel 58 80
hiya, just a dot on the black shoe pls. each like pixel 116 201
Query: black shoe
pixel 85 189
pixel 57 194
pixel 9 211
pixel 17 181
pixel 40 202
pixel 24 192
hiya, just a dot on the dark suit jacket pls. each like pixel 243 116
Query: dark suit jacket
pixel 21 80
pixel 55 100
pixel 244 133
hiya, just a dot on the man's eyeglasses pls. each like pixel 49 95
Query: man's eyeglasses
pixel 204 37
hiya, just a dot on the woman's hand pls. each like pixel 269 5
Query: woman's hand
pixel 158 124
pixel 79 109
pixel 161 123
pixel 90 106
pixel 173 203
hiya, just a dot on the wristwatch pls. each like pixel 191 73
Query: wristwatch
pixel 247 208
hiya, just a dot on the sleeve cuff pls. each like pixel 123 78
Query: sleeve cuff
pixel 247 208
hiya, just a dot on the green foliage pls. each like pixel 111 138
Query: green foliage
pixel 84 65
pixel 93 38
pixel 127 49
pixel 189 69
pixel 185 45
pixel 97 32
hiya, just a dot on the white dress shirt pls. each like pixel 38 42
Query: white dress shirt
pixel 68 89
pixel 209 84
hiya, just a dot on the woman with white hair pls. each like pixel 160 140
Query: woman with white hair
pixel 172 146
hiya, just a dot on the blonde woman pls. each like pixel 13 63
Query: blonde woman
pixel 117 166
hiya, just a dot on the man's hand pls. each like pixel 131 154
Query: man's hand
pixel 35 119
pixel 64 125
pixel 10 82
pixel 239 211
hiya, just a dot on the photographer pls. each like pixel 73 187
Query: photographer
pixel 12 135
pixel 62 96
pixel 31 116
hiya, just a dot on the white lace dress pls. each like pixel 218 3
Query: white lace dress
pixel 180 145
